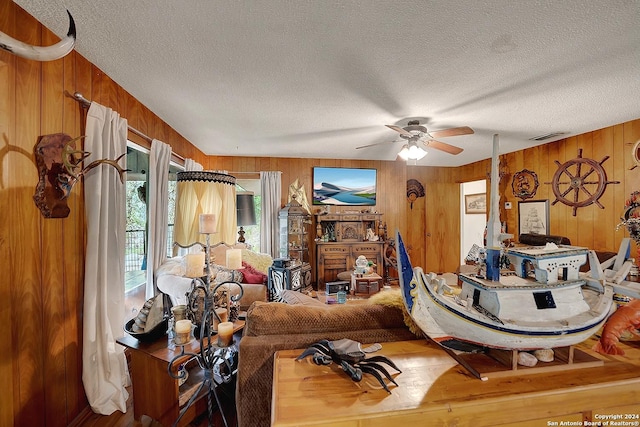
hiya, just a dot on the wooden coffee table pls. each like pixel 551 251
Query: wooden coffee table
pixel 434 390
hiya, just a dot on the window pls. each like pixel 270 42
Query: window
pixel 252 232
pixel 136 226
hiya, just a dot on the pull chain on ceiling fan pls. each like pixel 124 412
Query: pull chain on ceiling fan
pixel 418 138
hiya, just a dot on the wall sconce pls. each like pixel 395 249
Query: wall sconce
pixel 245 212
pixel 204 192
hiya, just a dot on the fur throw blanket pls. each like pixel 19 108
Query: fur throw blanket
pixel 393 298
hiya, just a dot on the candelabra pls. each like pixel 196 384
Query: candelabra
pixel 213 358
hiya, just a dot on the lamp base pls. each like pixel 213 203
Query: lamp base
pixel 241 235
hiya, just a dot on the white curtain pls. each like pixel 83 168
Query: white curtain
pixel 158 203
pixel 271 191
pixel 104 368
pixel 192 165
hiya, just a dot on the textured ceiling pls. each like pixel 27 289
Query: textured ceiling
pixel 317 79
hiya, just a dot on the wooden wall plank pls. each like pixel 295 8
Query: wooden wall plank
pixel 25 217
pixel 52 281
pixel 9 381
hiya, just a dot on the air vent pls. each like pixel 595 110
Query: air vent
pixel 547 136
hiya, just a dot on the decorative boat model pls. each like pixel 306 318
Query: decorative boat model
pixel 545 303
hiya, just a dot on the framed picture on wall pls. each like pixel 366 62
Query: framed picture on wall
pixel 533 217
pixel 475 203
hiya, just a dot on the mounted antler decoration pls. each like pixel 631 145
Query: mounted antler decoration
pixel 41 53
pixel 60 166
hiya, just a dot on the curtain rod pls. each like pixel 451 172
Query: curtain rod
pixel 86 104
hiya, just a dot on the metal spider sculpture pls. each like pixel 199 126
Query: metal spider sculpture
pixel 350 356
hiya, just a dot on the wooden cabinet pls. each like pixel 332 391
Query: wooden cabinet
pixel 341 239
pixel 289 277
pixel 335 257
pixel 294 224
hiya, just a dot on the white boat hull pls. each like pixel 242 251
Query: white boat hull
pixel 444 318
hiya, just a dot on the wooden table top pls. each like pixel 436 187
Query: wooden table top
pixel 433 386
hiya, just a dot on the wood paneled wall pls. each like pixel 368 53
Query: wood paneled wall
pixel 43 259
pixel 431 228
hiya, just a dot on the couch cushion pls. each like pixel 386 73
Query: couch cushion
pixel 322 318
pixel 294 297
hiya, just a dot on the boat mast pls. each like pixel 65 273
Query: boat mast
pixel 495 236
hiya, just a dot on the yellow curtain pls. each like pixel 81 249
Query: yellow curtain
pixel 205 192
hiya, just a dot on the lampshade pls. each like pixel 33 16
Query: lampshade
pixel 411 151
pixel 205 192
pixel 245 208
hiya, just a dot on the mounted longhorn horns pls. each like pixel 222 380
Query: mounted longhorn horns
pixel 41 53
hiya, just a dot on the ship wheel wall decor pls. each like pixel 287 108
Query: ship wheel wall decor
pixel 580 182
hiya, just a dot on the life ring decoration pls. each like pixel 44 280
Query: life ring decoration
pixel 525 184
pixel 580 182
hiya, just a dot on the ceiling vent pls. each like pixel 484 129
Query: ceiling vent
pixel 547 136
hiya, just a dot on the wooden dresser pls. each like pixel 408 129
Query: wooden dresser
pixel 341 240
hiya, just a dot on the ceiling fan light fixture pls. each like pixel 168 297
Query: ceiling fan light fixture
pixel 412 152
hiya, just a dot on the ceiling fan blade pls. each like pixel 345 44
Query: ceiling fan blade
pixel 464 130
pixel 432 143
pixel 400 130
pixel 373 145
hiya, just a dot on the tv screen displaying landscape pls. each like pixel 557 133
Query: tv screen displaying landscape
pixel 344 186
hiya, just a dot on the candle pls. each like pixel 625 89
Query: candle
pixel 183 331
pixel 194 264
pixel 179 312
pixel 234 259
pixel 225 334
pixel 222 314
pixel 207 223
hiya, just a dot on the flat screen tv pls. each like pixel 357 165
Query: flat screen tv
pixel 344 186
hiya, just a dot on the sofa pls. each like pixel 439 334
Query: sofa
pixel 171 280
pixel 274 326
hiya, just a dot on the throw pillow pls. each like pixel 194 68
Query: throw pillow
pixel 251 275
pixel 294 297
pixel 220 274
pixel 259 261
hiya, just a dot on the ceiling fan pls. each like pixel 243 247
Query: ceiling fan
pixel 418 136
